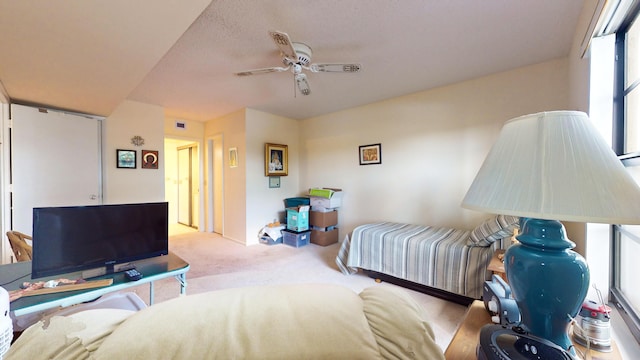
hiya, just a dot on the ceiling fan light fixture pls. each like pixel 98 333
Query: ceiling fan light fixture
pixel 304 53
pixel 296 56
pixel 303 85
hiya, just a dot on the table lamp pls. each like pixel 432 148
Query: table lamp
pixel 550 167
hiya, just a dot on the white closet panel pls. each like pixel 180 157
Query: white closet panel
pixel 55 161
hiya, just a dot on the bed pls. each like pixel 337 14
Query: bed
pixel 301 321
pixel 446 262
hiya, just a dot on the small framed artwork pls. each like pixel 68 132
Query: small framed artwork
pixel 233 157
pixel 274 181
pixel 276 160
pixel 126 159
pixel 370 154
pixel 149 159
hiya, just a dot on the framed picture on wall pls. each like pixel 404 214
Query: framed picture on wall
pixel 276 160
pixel 149 159
pixel 126 159
pixel 370 154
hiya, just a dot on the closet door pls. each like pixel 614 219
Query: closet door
pixel 184 186
pixel 55 161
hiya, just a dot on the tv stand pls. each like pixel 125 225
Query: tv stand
pixel 156 268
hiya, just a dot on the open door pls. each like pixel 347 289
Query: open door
pixel 188 188
pixel 55 161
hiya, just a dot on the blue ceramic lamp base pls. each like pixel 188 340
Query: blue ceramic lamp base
pixel 549 281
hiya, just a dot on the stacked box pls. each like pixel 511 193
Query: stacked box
pixel 324 236
pixel 324 199
pixel 298 218
pixel 323 219
pixel 295 239
pixel 323 227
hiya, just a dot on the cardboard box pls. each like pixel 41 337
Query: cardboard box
pixel 329 198
pixel 298 218
pixel 295 239
pixel 322 192
pixel 324 238
pixel 323 219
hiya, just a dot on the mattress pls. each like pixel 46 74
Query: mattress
pixel 438 257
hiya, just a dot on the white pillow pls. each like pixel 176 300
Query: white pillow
pixel 492 229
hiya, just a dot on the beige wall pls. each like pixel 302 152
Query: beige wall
pixel 232 127
pixel 249 203
pixel 175 137
pixel 433 143
pixel 193 130
pixel 266 204
pixel 133 185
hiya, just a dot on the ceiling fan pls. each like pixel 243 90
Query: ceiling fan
pixel 296 56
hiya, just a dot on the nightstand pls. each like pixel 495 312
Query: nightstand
pixel 496 265
pixel 465 340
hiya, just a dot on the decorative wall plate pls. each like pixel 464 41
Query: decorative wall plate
pixel 137 140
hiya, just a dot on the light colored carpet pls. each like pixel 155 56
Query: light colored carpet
pixel 219 263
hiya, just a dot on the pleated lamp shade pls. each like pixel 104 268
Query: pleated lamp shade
pixel 555 165
pixel 545 168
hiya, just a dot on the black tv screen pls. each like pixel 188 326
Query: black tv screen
pixel 75 238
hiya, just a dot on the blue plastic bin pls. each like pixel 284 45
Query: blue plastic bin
pixel 296 239
pixel 296 201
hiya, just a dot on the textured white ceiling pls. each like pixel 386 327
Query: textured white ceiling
pixel 89 56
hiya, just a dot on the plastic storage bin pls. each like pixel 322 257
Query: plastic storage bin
pixel 296 239
pixel 267 240
pixel 296 201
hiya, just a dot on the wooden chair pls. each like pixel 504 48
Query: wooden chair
pixel 20 247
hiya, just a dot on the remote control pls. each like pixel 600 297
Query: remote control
pixel 133 275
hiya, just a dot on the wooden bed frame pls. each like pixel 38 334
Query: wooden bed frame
pixel 456 298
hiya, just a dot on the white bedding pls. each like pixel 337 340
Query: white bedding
pixel 307 321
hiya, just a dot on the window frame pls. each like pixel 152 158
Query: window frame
pixel 621 91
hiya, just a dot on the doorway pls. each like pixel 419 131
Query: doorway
pixel 182 182
pixel 214 193
pixel 188 189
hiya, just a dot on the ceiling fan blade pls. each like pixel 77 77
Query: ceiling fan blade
pixel 284 44
pixel 303 84
pixel 335 67
pixel 262 71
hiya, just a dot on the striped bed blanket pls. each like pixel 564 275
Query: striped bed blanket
pixel 433 256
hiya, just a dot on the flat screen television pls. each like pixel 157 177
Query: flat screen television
pixel 76 238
